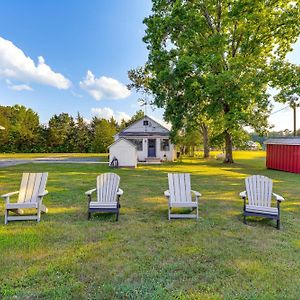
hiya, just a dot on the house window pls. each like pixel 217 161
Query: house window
pixel 145 123
pixel 164 145
pixel 138 143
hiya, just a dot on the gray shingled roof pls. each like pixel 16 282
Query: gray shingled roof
pixel 283 141
pixel 143 134
pixel 144 117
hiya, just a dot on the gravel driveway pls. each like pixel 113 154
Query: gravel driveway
pixel 14 162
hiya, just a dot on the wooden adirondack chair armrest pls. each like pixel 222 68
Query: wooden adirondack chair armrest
pixel 167 193
pixel 197 194
pixel 43 194
pixel 89 193
pixel 120 192
pixel 8 195
pixel 243 195
pixel 278 197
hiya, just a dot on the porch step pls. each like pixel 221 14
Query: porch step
pixel 152 159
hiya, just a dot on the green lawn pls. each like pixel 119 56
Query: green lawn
pixel 144 256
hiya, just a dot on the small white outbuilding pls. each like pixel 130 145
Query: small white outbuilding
pixel 125 152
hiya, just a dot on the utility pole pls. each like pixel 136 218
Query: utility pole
pixel 294 109
pixel 294 103
pixel 295 127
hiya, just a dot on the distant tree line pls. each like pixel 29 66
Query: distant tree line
pixel 255 137
pixel 63 133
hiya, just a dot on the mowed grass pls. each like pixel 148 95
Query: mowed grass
pixel 144 256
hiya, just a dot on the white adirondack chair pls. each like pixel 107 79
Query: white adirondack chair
pixel 31 193
pixel 179 194
pixel 259 194
pixel 108 195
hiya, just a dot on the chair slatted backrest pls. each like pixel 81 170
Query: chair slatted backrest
pixel 180 187
pixel 259 190
pixel 32 184
pixel 107 187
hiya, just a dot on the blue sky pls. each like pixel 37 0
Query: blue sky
pixel 85 50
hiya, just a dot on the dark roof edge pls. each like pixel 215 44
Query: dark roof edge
pixel 141 119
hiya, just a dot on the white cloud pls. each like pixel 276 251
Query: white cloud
pixel 15 64
pixel 107 113
pixel 18 87
pixel 103 87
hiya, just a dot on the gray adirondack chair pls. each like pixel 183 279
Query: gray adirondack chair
pixel 259 194
pixel 31 193
pixel 108 195
pixel 179 194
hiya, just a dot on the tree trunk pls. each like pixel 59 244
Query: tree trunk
pixel 205 141
pixel 204 132
pixel 228 148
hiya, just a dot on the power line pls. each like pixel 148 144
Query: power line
pixel 275 112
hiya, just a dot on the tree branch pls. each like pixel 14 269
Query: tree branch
pixel 208 18
pixel 219 14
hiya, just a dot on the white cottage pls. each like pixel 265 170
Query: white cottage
pixel 151 139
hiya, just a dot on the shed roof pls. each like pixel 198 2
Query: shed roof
pixel 122 139
pixel 283 141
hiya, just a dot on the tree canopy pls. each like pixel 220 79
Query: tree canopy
pixel 63 133
pixel 217 59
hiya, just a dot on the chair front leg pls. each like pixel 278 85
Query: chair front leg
pixel 6 212
pixel 39 211
pixel 245 221
pixel 118 208
pixel 89 200
pixel 6 216
pixel 278 220
pixel 6 199
pixel 169 210
pixel 197 209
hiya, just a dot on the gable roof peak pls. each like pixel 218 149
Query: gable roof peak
pixel 142 118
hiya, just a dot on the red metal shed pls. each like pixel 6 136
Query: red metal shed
pixel 283 154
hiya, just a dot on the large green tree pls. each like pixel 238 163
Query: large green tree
pixel 103 134
pixel 22 129
pixel 60 128
pixel 217 58
pixel 81 135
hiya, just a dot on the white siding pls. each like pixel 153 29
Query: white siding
pixel 163 155
pixel 152 126
pixel 125 152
